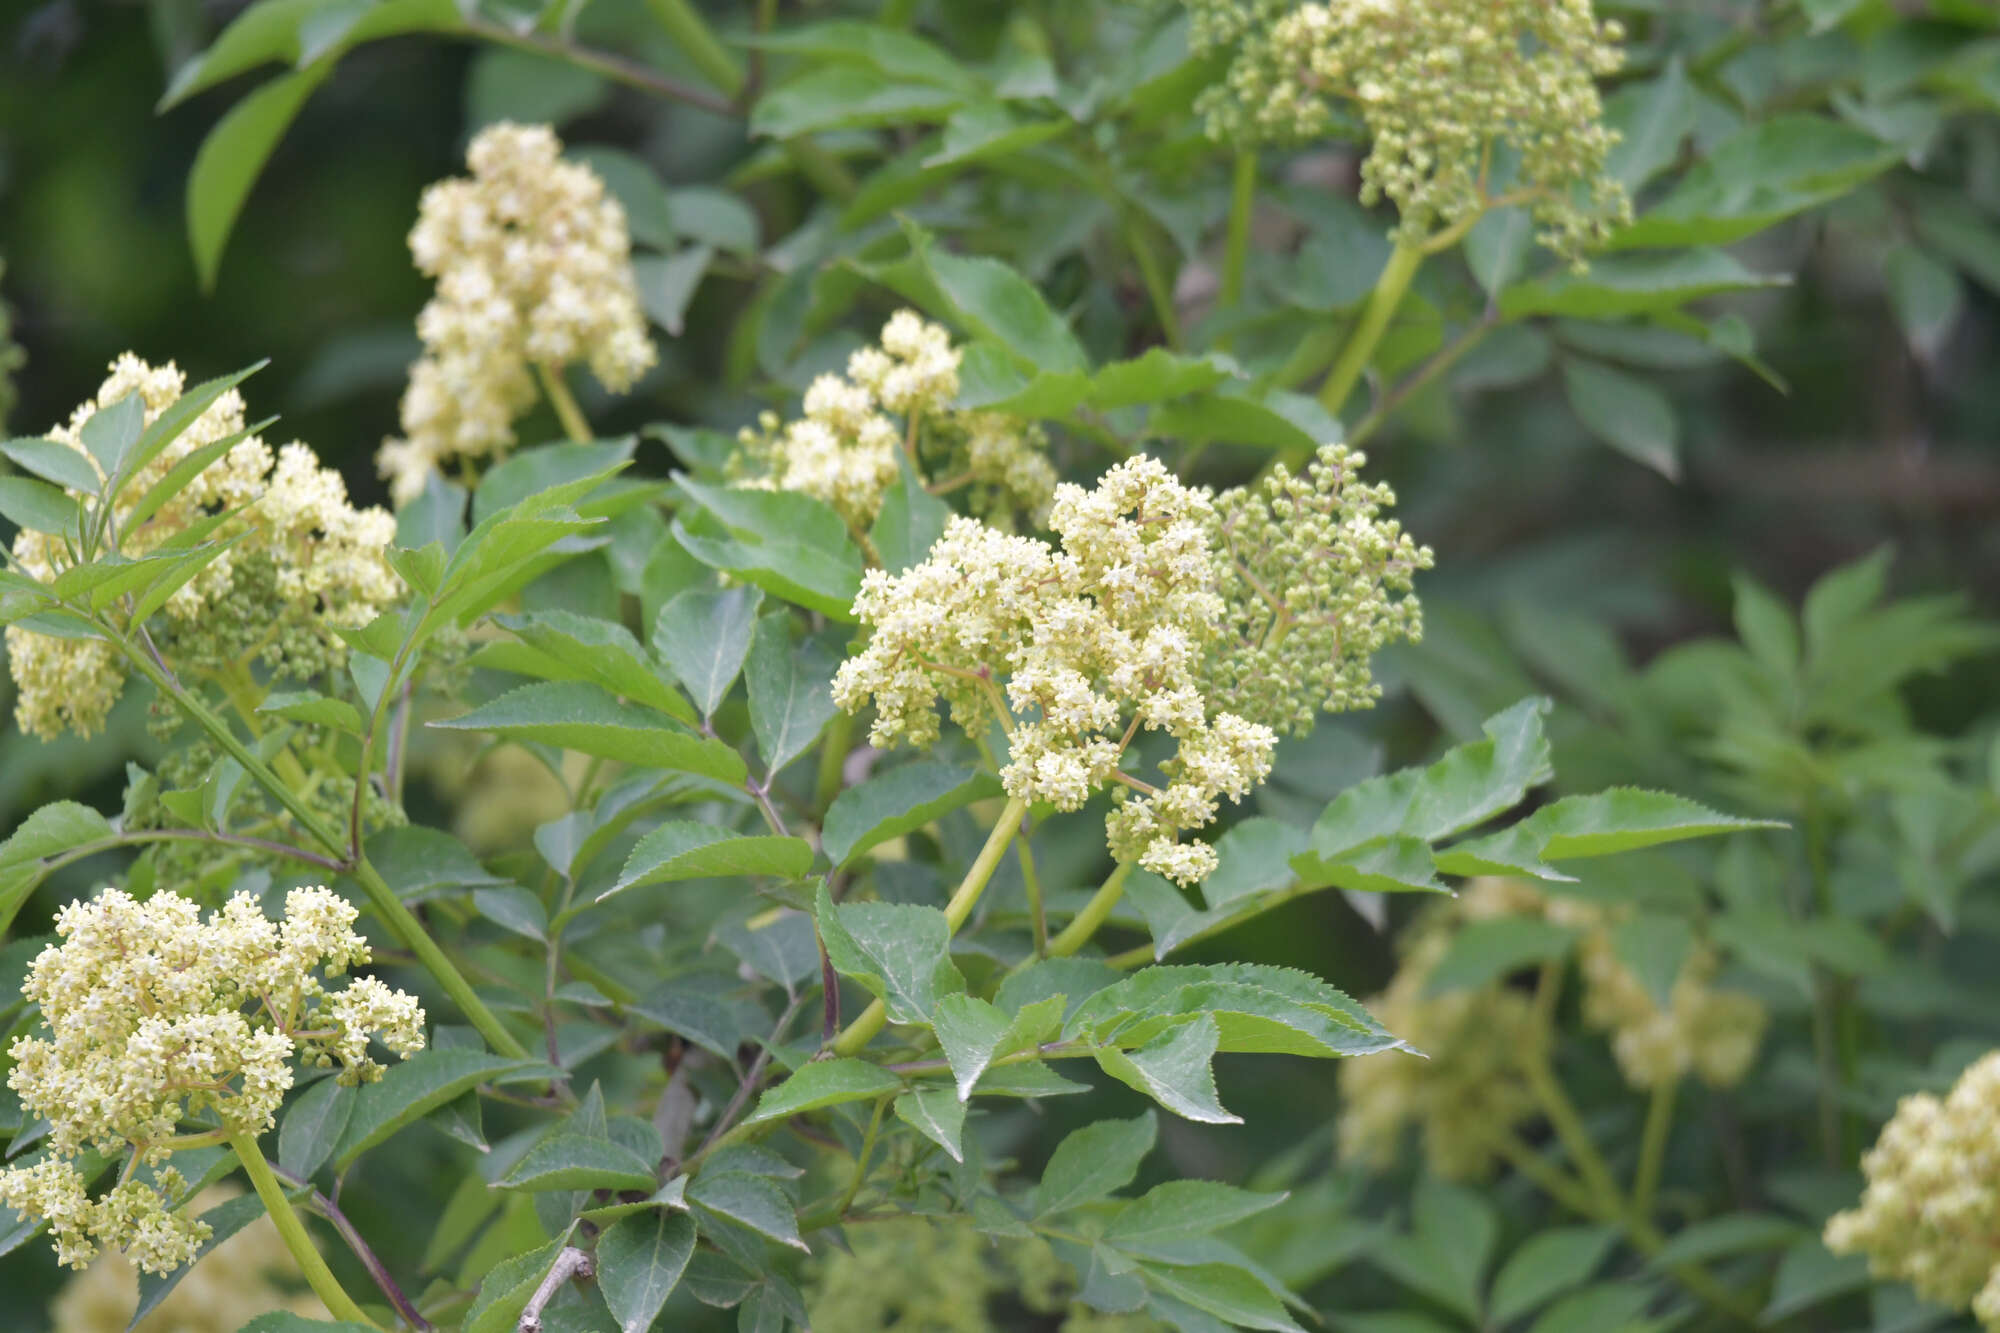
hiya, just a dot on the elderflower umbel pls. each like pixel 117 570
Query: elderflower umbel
pixel 1310 574
pixel 304 562
pixel 1439 86
pixel 845 449
pixel 533 264
pixel 154 1016
pixel 1091 641
pixel 1930 1214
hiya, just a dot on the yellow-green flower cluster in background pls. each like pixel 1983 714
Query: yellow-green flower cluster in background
pixel 1092 640
pixel 305 562
pixel 1442 88
pixel 1315 583
pixel 1930 1215
pixel 235 1282
pixel 896 398
pixel 157 1016
pixel 533 263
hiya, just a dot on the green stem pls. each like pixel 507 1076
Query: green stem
pixel 833 747
pixel 863 1029
pixel 1444 360
pixel 698 42
pixel 1653 1146
pixel 573 422
pixel 1242 197
pixel 1359 349
pixel 402 922
pixel 1031 884
pixel 898 13
pixel 318 1276
pixel 1094 914
pixel 1158 289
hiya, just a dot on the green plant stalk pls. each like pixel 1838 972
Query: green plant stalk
pixel 698 42
pixel 1835 1040
pixel 1031 885
pixel 1094 914
pixel 863 1029
pixel 402 922
pixel 1359 349
pixel 1653 1146
pixel 574 424
pixel 1236 252
pixel 1158 290
pixel 833 747
pixel 318 1276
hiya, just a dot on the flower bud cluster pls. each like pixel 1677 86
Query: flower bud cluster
pixel 1091 640
pixel 1930 1214
pixel 156 1016
pixel 1439 86
pixel 533 263
pixel 1315 583
pixel 844 450
pixel 304 562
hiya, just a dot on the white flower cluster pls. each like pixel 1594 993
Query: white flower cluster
pixel 844 450
pixel 155 1016
pixel 1930 1215
pixel 1091 641
pixel 305 560
pixel 533 264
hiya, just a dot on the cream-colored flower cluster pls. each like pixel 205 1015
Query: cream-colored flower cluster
pixel 234 1283
pixel 304 562
pixel 1441 88
pixel 1316 582
pixel 1466 1092
pixel 1930 1214
pixel 844 450
pixel 156 1015
pixel 533 263
pixel 1091 640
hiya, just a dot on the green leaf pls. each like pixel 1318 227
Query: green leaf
pixel 506 1289
pixel 111 432
pixel 840 97
pixel 682 849
pixel 1488 950
pixel 37 506
pixel 1256 1007
pixel 565 1161
pixel 1653 120
pixel 167 427
pixel 313 1126
pixel 313 709
pixel 750 1201
pixel 1625 819
pixel 787 543
pixel 1721 1237
pixel 1157 376
pixel 892 53
pixel 1655 946
pixel 791 691
pixel 549 476
pixel 910 522
pixel 1927 296
pixel 576 716
pixel 1446 1252
pixel 1767 172
pixel 602 652
pixel 1225 1291
pixel 1263 418
pixel 1597 1309
pixel 515 909
pixel 704 637
pixel 897 801
pixel 1626 413
pixel 974 1033
pixel 411 1089
pixel 993 301
pixel 824 1083
pixel 1092 1163
pixel 1173 1069
pixel 416 861
pixel 224 1220
pixel 1181 1210
pixel 231 158
pixel 1619 286
pixel 639 1263
pixel 985 131
pixel 284 1322
pixel 52 460
pixel 899 953
pixel 938 1115
pixel 715 217
pixel 1548 1263
pixel 667 283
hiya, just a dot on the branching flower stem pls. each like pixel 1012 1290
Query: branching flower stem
pixel 362 1251
pixel 1242 203
pixel 1094 914
pixel 318 1276
pixel 1359 349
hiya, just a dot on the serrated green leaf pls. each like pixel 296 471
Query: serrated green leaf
pixel 974 1033
pixel 749 1201
pixel 681 850
pixel 413 1088
pixel 1184 1209
pixel 790 688
pixel 313 1126
pixel 897 801
pixel 639 1263
pixel 1225 1291
pixel 909 523
pixel 899 953
pixel 232 157
pixel 506 1288
pixel 1547 1264
pixel 1093 1163
pixel 577 716
pixel 1485 951
pixel 603 653
pixel 1626 413
pixel 1173 1069
pixel 37 506
pixel 1619 286
pixel 1625 819
pixel 841 97
pixel 704 636
pixel 515 909
pixel 284 1322
pixel 565 1161
pixel 54 461
pixel 785 542
pixel 312 708
pixel 938 1115
pixel 823 1083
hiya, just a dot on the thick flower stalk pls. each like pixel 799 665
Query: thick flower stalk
pixel 156 1017
pixel 1086 643
pixel 304 561
pixel 1930 1214
pixel 1442 88
pixel 533 263
pixel 1315 583
pixel 897 397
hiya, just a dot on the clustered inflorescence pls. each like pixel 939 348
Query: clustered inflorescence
pixel 845 449
pixel 157 1016
pixel 1442 89
pixel 1092 640
pixel 304 561
pixel 533 263
pixel 1472 1087
pixel 1310 575
pixel 1930 1215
